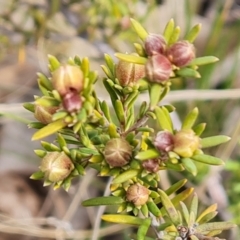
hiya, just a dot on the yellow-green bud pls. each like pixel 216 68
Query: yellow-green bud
pixel 56 166
pixel 44 114
pixel 117 152
pixel 129 73
pixel 186 142
pixel 68 78
pixel 137 194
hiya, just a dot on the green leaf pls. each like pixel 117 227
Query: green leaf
pixel 190 119
pixel 144 210
pixel 164 119
pixel 139 49
pixel 141 32
pixel 119 111
pixel 44 81
pixel 100 201
pixel 207 159
pixel 153 208
pixel 185 212
pixel 155 93
pixel 189 165
pixel 125 176
pixel 145 155
pixel 49 129
pixel 61 141
pixel 208 217
pixel 107 71
pixel 85 66
pixel 143 229
pixel 110 63
pixel 168 31
pixel 47 101
pixel 194 206
pixel 131 99
pixel 203 61
pixel 37 175
pixel 175 187
pixel 40 153
pixel 88 151
pixel 214 141
pixel 53 63
pixel 169 207
pixel 207 227
pixel 131 58
pixel 111 91
pixel 175 35
pixel 210 209
pixel 193 33
pixel 188 72
pixel 123 219
pixel 198 129
pixel 29 106
pixel 106 111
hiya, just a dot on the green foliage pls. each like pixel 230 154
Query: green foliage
pixel 84 126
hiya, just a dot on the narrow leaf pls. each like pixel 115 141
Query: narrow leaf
pixel 193 33
pixel 100 201
pixel 163 119
pixel 131 58
pixel 190 119
pixel 49 129
pixel 188 72
pixel 123 219
pixel 211 208
pixel 189 165
pixel 145 155
pixel 214 141
pixel 125 176
pixel 169 207
pixel 203 60
pixel 168 30
pixel 141 32
pixel 207 159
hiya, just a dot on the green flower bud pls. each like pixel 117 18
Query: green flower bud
pixel 117 152
pixel 68 78
pixel 137 194
pixel 151 165
pixel 181 53
pixel 129 73
pixel 44 114
pixel 56 166
pixel 164 141
pixel 158 68
pixel 155 44
pixel 186 142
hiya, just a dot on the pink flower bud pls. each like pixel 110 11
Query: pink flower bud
pixel 56 166
pixel 129 73
pixel 44 114
pixel 158 68
pixel 137 194
pixel 67 78
pixel 117 152
pixel 186 142
pixel 181 53
pixel 72 101
pixel 151 165
pixel 155 44
pixel 164 141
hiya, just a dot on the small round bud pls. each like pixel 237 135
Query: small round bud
pixel 44 114
pixel 155 44
pixel 56 166
pixel 72 101
pixel 117 152
pixel 158 68
pixel 164 141
pixel 186 143
pixel 67 78
pixel 137 194
pixel 151 165
pixel 181 53
pixel 129 73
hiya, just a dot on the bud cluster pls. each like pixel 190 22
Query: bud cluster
pixel 161 57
